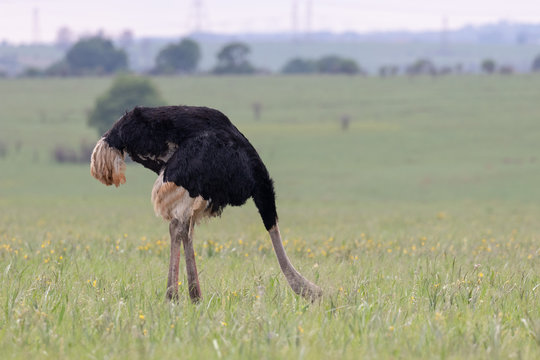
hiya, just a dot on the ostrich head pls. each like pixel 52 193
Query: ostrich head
pixel 107 164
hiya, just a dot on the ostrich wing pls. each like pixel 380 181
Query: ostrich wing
pixel 213 166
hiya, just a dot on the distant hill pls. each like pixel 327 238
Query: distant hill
pixel 513 44
pixel 503 32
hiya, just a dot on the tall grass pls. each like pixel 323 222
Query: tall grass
pixel 419 222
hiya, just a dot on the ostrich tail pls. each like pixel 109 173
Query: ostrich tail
pixel 298 283
pixel 265 197
pixel 107 164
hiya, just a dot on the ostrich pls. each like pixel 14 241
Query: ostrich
pixel 204 163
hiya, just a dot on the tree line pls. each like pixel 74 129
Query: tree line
pixel 99 56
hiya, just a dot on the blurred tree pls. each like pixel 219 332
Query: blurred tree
pixel 183 57
pixel 95 56
pixel 388 70
pixel 32 72
pixel 330 64
pixel 349 66
pixel 232 59
pixel 506 70
pixel 60 68
pixel 333 64
pixel 445 70
pixel 300 66
pixel 422 67
pixel 488 66
pixel 126 92
pixel 536 64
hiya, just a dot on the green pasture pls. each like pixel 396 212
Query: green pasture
pixel 420 222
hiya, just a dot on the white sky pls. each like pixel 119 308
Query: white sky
pixel 19 23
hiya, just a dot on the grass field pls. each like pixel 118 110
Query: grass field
pixel 420 223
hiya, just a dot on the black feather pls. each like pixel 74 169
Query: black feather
pixel 211 157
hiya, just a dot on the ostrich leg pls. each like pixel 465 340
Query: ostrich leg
pixel 191 266
pixel 298 283
pixel 174 263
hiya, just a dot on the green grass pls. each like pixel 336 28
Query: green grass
pixel 420 223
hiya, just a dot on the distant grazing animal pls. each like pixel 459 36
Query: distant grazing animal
pixel 204 163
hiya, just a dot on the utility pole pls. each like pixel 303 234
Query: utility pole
pixel 198 15
pixel 309 16
pixel 36 32
pixel 294 18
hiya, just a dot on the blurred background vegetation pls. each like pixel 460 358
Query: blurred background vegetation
pixel 508 47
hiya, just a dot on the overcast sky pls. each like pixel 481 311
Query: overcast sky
pixel 28 20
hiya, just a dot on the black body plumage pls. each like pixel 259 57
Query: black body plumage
pixel 199 149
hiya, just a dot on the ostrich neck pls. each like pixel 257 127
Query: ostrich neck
pixel 298 283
